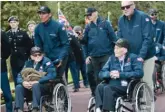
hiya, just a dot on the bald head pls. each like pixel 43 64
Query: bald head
pixel 127 8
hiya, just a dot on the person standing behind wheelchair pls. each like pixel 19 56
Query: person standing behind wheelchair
pixel 5 53
pixel 51 36
pixel 136 27
pixel 98 39
pixel 120 68
pixel 20 46
pixel 27 86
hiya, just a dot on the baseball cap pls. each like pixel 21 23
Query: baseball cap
pixel 35 50
pixel 13 18
pixel 90 11
pixel 122 43
pixel 44 9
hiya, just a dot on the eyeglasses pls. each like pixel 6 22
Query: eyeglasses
pixel 154 14
pixel 126 7
pixel 35 55
pixel 89 14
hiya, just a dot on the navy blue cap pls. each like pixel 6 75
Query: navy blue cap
pixel 35 50
pixel 44 9
pixel 122 43
pixel 13 18
pixel 90 11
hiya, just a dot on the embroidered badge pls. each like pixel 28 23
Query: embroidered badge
pixel 48 63
pixel 147 19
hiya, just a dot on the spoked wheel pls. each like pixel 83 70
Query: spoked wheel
pixel 61 99
pixel 143 98
pixel 46 104
pixel 163 76
pixel 91 105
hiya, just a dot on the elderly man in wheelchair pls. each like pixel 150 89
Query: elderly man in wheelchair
pixel 35 81
pixel 119 70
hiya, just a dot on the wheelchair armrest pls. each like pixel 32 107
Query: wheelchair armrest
pixel 131 85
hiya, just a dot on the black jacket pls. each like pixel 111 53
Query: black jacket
pixel 5 51
pixel 20 48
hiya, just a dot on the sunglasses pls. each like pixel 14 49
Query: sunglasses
pixel 126 7
pixel 154 14
pixel 35 55
pixel 89 14
pixel 78 33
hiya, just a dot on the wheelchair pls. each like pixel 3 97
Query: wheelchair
pixel 58 101
pixel 138 95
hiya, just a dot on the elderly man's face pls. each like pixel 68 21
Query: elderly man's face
pixel 153 16
pixel 92 16
pixel 119 51
pixel 14 24
pixel 37 57
pixel 44 16
pixel 127 7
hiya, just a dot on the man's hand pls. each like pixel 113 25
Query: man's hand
pixel 114 74
pixel 33 82
pixel 140 59
pixel 60 63
pixel 26 85
pixel 88 60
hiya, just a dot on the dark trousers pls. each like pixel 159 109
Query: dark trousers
pixel 34 94
pixel 61 69
pixel 106 96
pixel 6 91
pixel 91 78
pixel 82 68
pixel 72 65
pixel 15 74
pixel 98 63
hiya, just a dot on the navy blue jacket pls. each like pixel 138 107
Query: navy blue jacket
pixel 52 38
pixel 45 65
pixel 138 32
pixel 132 68
pixel 99 38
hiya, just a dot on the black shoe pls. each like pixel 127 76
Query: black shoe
pixel 76 90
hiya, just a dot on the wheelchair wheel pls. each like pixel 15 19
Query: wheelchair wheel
pixel 163 76
pixel 61 99
pixel 143 98
pixel 91 105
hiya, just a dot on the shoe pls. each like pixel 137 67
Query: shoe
pixel 76 90
pixel 98 110
pixel 19 110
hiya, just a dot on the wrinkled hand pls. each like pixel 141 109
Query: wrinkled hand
pixel 26 85
pixel 88 60
pixel 60 63
pixel 114 74
pixel 33 82
pixel 140 59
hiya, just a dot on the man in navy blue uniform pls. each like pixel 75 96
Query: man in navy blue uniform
pixel 98 40
pixel 36 87
pixel 51 36
pixel 5 53
pixel 136 27
pixel 20 46
pixel 119 69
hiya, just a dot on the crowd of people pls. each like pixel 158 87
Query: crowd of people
pixel 49 48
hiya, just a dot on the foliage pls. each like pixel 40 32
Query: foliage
pixel 73 10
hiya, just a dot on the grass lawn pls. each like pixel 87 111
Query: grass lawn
pixel 13 88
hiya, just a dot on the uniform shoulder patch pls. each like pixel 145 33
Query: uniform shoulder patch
pixel 48 63
pixel 147 19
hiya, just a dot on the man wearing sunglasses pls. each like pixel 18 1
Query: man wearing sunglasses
pixel 51 36
pixel 135 26
pixel 40 64
pixel 98 40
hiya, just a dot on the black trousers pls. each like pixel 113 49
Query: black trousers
pixel 106 96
